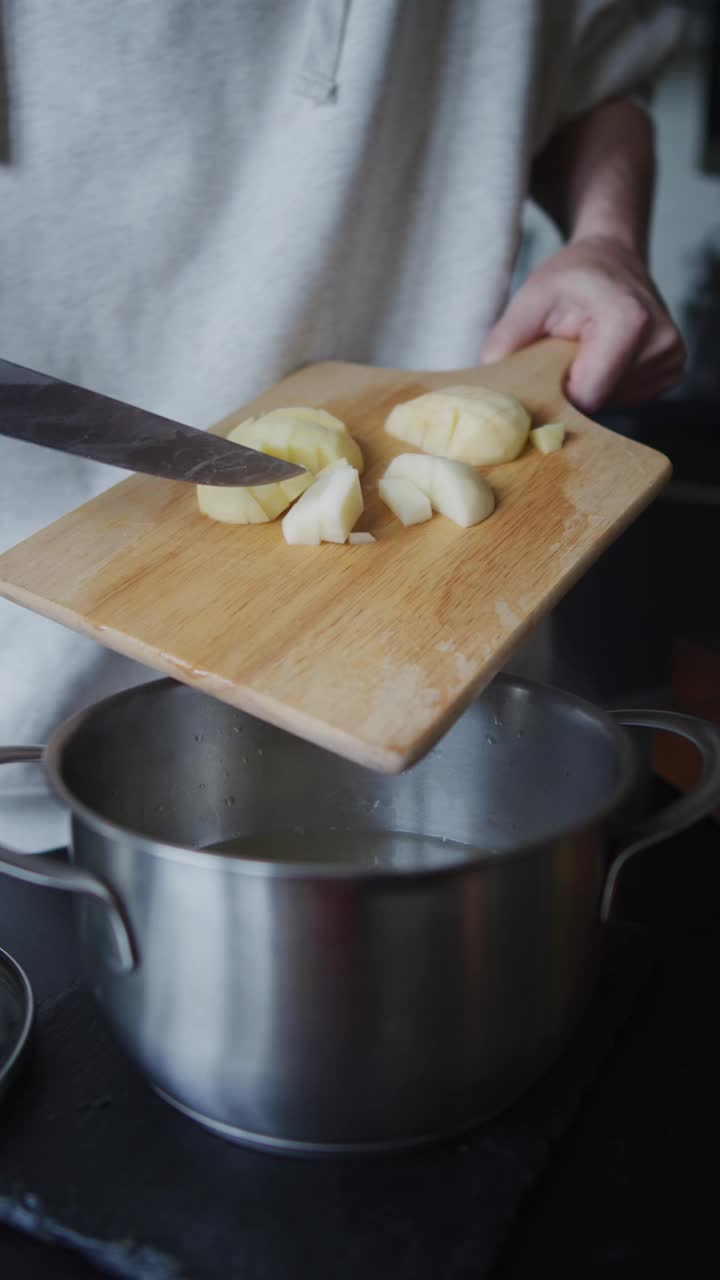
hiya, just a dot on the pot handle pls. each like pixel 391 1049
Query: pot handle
pixel 682 813
pixel 39 868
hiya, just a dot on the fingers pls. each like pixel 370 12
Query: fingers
pixel 630 349
pixel 635 389
pixel 609 344
pixel 659 367
pixel 667 350
pixel 522 323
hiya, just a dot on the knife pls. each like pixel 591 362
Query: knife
pixel 42 410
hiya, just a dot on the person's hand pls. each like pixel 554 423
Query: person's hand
pixel 598 292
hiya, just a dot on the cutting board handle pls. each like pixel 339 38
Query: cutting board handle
pixel 536 373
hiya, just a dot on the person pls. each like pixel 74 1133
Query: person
pixel 196 199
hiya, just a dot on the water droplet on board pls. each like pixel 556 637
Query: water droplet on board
pixel 491 740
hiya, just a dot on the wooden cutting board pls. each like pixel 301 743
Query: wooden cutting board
pixel 371 651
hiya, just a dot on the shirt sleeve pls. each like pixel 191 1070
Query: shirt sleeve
pixel 618 49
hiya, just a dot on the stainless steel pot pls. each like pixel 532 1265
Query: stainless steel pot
pixel 322 1006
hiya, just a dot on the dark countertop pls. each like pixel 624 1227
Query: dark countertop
pixel 633 1187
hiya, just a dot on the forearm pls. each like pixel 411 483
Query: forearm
pixel 595 177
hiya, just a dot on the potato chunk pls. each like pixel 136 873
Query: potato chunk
pixel 302 413
pixel 469 424
pixel 548 438
pixel 310 437
pixel 454 489
pixel 256 504
pixel 405 500
pixel 327 511
pixel 311 444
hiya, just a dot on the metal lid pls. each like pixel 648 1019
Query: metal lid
pixel 16 1017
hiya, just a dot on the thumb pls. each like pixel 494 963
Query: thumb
pixel 522 322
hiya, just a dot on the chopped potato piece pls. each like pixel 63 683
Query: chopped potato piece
pixel 359 539
pixel 309 437
pixel 454 489
pixel 306 414
pixel 255 504
pixel 405 500
pixel 310 444
pixel 548 438
pixel 327 511
pixel 468 424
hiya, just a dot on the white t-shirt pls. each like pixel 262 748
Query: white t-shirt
pixel 197 199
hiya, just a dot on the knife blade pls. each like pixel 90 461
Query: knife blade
pixel 57 415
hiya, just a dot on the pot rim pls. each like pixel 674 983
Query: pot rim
pixel 628 777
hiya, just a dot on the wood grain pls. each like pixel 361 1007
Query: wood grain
pixel 371 651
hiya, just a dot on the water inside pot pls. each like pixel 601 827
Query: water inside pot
pixel 171 764
pixel 389 850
